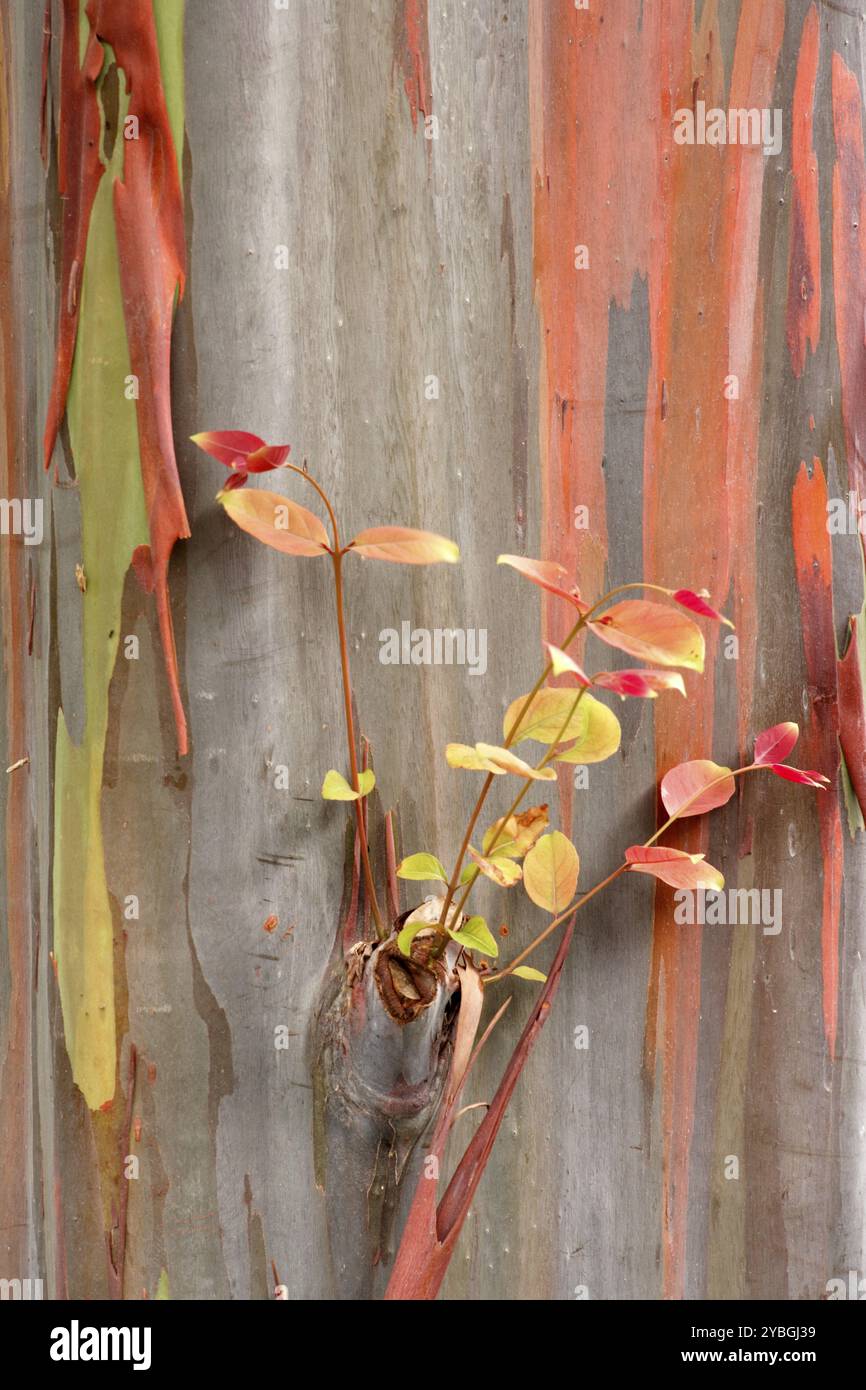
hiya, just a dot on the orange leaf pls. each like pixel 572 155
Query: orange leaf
pixel 279 523
pixel 690 789
pixel 652 632
pixel 403 546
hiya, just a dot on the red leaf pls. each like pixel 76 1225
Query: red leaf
pixel 548 575
pixel 235 479
pixel 697 604
pixel 794 774
pixel 692 788
pixel 674 867
pixel 229 446
pixel 774 745
pixel 268 457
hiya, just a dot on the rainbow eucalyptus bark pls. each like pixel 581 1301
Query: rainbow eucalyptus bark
pixel 383 1045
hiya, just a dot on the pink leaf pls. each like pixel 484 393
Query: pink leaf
pixel 690 789
pixel 806 779
pixel 646 684
pixel 548 575
pixel 652 632
pixel 697 604
pixel 674 867
pixel 774 745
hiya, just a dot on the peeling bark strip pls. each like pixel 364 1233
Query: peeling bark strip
pixel 122 260
pixel 148 204
pixel 813 558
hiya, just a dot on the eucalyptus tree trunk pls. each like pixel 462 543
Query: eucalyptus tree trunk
pixel 581 281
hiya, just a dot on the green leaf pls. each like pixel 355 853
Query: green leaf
pixel 421 867
pixel 526 972
pixel 599 738
pixel 162 1288
pixel 475 935
pixel 408 934
pixel 469 874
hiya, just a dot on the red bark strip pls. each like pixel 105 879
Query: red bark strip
pixel 706 312
pixel 148 206
pixel 804 258
pixel 412 55
pixel 148 210
pixel 78 173
pixel 814 566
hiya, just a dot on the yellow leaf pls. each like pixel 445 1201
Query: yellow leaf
pixel 546 716
pixel 600 737
pixel 336 788
pixel 550 872
pixel 518 833
pixel 502 870
pixel 503 760
pixel 462 755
